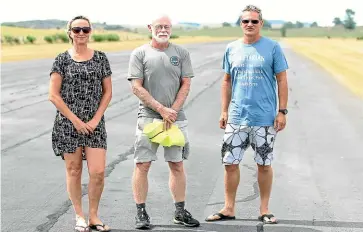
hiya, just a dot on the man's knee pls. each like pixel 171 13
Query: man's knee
pixel 176 167
pixel 264 168
pixel 231 168
pixel 143 167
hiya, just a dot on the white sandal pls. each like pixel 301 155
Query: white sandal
pixel 81 225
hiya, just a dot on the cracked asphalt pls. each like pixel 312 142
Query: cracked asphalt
pixel 318 166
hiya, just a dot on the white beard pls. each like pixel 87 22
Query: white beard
pixel 158 39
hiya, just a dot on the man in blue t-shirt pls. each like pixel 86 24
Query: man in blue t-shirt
pixel 254 102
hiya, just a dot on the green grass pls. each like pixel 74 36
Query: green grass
pixel 324 32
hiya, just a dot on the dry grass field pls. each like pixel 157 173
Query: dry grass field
pixel 41 49
pixel 343 58
pixel 40 33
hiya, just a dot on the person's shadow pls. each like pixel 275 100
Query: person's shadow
pixel 205 227
pixel 283 226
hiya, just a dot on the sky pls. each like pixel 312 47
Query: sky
pixel 140 12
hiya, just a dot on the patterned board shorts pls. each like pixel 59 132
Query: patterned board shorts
pixel 237 140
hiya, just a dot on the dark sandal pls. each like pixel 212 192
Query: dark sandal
pixel 95 227
pixel 266 219
pixel 222 217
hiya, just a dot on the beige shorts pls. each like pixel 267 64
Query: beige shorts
pixel 145 150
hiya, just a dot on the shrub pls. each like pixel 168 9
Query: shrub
pixel 105 37
pixel 113 37
pixel 31 39
pixel 49 39
pixel 9 39
pixel 54 37
pixel 98 38
pixel 59 37
pixel 360 38
pixel 63 37
pixel 16 40
pixel 283 31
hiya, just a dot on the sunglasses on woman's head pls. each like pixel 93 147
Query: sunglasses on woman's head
pixel 77 30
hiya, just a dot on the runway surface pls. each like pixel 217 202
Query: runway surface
pixel 318 157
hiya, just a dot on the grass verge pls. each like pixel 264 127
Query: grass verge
pixel 340 57
pixel 39 34
pixel 39 51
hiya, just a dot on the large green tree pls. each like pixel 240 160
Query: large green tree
pixel 337 21
pixel 349 22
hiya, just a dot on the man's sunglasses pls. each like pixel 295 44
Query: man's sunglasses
pixel 77 30
pixel 253 21
pixel 160 27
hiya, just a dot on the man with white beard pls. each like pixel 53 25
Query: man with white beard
pixel 160 73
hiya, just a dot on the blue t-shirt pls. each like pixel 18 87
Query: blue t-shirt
pixel 253 69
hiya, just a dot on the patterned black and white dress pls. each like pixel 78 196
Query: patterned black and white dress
pixel 82 92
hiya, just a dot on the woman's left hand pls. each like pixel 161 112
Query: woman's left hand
pixel 92 124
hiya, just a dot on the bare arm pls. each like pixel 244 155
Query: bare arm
pixel 226 98
pixel 55 97
pixel 282 89
pixel 144 95
pixel 106 98
pixel 226 92
pixel 182 94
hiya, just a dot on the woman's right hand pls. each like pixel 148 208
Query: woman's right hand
pixel 81 127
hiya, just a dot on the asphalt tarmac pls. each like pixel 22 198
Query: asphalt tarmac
pixel 317 168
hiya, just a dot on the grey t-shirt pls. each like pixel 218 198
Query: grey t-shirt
pixel 161 71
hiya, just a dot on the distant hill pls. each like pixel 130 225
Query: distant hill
pixel 57 24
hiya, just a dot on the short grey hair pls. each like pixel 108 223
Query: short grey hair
pixel 253 8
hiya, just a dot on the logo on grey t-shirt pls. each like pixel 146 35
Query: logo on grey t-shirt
pixel 174 60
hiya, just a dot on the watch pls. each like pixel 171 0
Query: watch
pixel 283 111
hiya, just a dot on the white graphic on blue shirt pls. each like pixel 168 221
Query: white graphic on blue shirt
pixel 253 69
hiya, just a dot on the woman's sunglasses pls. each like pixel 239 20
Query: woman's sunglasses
pixel 77 30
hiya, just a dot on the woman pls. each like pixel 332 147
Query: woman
pixel 81 89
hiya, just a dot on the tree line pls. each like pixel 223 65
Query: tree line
pixel 348 22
